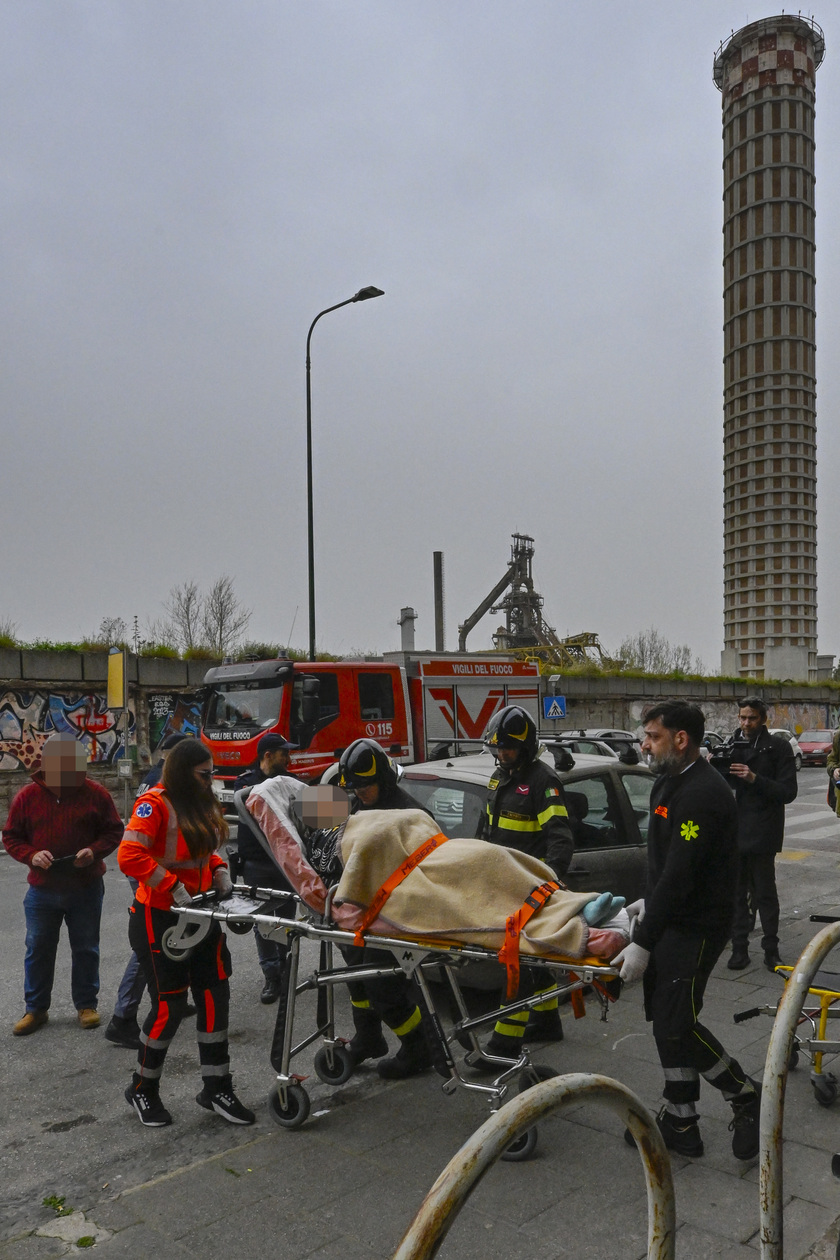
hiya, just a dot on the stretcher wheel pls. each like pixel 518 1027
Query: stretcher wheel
pixel 294 1114
pixel 825 1091
pixel 522 1148
pixel 171 942
pixel 334 1065
pixel 238 929
pixel 793 1061
pixel 533 1074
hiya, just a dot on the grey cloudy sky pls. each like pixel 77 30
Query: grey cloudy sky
pixel 537 188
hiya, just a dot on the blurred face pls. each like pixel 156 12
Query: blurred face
pixel 750 721
pixel 323 807
pixel 63 761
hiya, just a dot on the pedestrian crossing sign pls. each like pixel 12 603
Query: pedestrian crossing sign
pixel 554 706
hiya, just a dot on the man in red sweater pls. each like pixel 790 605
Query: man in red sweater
pixel 61 825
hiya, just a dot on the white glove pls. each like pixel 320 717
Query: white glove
pixel 222 882
pixel 633 960
pixel 179 895
pixel 635 911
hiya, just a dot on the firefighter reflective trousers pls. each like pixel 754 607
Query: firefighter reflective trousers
pixel 205 972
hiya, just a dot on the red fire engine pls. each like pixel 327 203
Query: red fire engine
pixel 418 708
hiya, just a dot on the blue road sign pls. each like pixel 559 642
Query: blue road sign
pixel 554 707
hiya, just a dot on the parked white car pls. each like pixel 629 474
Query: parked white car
pixel 792 740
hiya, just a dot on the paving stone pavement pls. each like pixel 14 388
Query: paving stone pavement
pixel 346 1185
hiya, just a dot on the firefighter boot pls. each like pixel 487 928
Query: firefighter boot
pixel 367 1041
pixel 414 1055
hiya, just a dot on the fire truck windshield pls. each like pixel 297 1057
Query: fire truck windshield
pixel 252 706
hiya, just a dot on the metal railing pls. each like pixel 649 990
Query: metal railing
pixel 465 1170
pixel 771 1185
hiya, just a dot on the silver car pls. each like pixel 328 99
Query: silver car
pixel 793 741
pixel 608 804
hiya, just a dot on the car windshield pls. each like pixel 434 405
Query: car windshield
pixel 816 737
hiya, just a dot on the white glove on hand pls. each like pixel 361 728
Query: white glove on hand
pixel 179 895
pixel 633 960
pixel 222 882
pixel 635 911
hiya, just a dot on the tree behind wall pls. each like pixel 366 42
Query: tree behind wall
pixel 224 619
pixel 651 652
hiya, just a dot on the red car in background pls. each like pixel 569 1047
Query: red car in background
pixel 815 745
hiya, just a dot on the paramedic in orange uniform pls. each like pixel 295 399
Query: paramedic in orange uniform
pixel 171 848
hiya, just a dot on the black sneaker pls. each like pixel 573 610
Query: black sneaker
pixel 681 1136
pixel 225 1103
pixel 744 1124
pixel 149 1108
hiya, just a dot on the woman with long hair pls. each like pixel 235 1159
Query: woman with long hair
pixel 171 847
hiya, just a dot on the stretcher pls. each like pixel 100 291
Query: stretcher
pixel 450 1027
pixel 815 1046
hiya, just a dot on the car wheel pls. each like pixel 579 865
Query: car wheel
pixel 798 762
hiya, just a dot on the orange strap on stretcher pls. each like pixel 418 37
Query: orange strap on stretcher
pixel 509 953
pixel 394 880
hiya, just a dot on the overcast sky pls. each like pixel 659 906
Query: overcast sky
pixel 537 188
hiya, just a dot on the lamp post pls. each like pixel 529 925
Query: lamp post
pixel 361 296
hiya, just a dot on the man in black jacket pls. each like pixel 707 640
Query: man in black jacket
pixel 257 867
pixel 764 778
pixel 683 926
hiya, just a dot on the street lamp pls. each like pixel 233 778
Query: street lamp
pixel 361 296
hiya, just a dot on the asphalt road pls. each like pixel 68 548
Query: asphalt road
pixel 349 1182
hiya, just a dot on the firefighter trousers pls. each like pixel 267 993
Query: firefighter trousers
pixel 206 973
pixel 392 998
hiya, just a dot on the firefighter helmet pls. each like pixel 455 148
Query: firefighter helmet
pixel 512 727
pixel 365 762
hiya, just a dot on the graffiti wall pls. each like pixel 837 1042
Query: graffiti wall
pixel 28 718
pixel 171 712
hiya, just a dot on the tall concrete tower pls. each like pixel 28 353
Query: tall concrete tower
pixel 766 73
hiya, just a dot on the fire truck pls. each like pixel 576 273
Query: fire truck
pixel 419 708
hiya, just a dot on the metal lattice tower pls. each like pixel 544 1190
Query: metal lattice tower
pixel 766 73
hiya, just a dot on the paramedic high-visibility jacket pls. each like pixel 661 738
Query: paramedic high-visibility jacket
pixel 526 810
pixel 154 852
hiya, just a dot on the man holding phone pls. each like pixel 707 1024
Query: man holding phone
pixel 61 825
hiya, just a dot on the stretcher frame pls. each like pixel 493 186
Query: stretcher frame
pixel 289 1102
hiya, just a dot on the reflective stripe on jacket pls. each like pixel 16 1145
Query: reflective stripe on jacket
pixel 526 810
pixel 154 852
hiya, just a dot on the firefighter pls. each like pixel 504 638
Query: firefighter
pixel 526 810
pixel 366 771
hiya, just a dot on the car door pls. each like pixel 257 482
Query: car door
pixel 609 825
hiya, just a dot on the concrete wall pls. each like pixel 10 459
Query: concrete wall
pixel 620 702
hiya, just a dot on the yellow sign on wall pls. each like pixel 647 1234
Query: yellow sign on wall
pixel 116 679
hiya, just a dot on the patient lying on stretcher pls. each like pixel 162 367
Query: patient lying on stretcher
pixel 463 891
